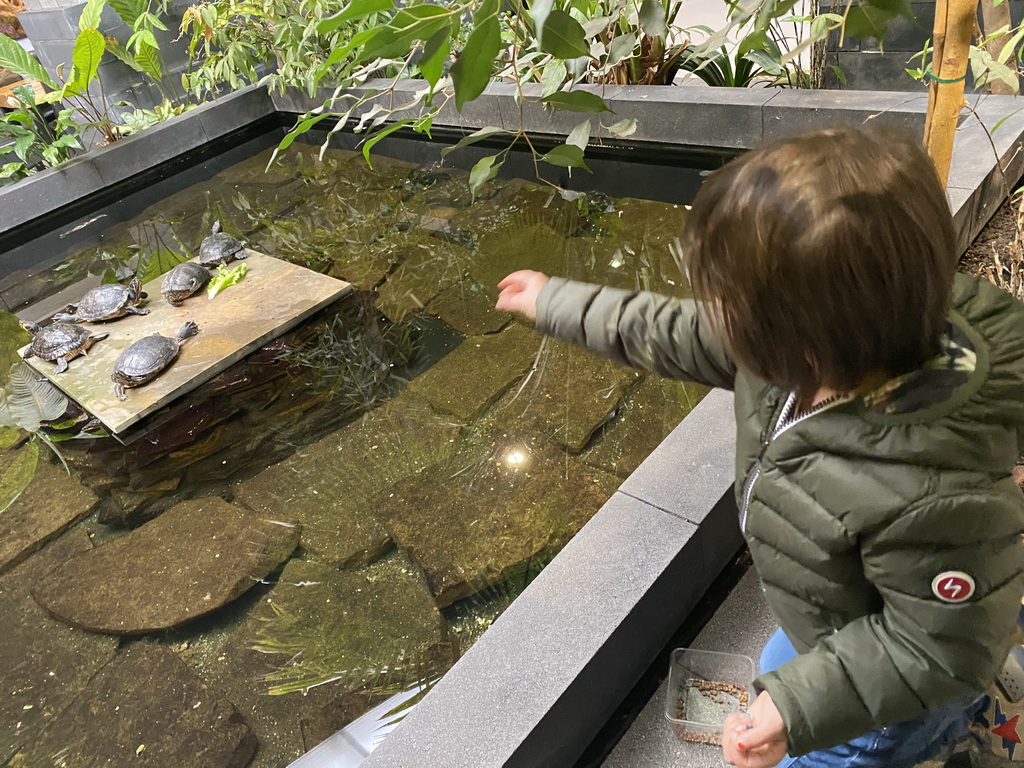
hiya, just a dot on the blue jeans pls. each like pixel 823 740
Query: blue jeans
pixel 902 745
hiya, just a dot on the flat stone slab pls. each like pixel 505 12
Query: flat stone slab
pixel 329 486
pixel 477 527
pixel 569 396
pixel 50 504
pixel 144 708
pixel 469 309
pixel 46 663
pixel 190 561
pixel 426 267
pixel 273 298
pixel 339 631
pixel 477 372
pixel 650 413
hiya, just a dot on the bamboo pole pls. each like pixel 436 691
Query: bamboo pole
pixel 954 25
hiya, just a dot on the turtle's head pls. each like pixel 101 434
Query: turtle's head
pixel 135 290
pixel 30 327
pixel 217 228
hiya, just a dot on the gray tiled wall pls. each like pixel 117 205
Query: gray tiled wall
pixel 53 31
pixel 868 65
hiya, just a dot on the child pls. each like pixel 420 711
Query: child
pixel 878 398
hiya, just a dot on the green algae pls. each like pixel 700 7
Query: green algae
pixel 17 472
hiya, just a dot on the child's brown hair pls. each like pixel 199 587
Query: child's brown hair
pixel 825 258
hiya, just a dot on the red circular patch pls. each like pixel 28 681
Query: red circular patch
pixel 953 586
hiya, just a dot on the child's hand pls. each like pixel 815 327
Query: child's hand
pixel 519 292
pixel 757 740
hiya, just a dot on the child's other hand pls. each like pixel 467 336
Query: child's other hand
pixel 519 292
pixel 757 740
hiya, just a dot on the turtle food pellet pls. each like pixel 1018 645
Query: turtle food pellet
pixel 706 701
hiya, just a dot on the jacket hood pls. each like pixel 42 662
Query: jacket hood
pixel 962 410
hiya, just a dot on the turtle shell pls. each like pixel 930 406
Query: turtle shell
pixel 59 339
pixel 146 357
pixel 103 302
pixel 184 280
pixel 220 247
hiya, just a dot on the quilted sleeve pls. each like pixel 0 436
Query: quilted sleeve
pixel 641 329
pixel 928 646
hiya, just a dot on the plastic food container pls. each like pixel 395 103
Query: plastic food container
pixel 704 687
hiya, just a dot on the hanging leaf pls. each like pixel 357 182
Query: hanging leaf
pixel 357 9
pixel 473 138
pixel 621 48
pixel 565 156
pixel 864 21
pixel 485 170
pixel 563 36
pixel 85 56
pixel 553 77
pixel 539 12
pixel 369 143
pixel 765 62
pixel 623 128
pixel 18 474
pixel 652 18
pixel 577 101
pixel 474 66
pixel 90 18
pixel 435 54
pixel 580 135
pixel 417 22
pixel 21 62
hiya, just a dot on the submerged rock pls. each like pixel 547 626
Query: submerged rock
pixel 328 486
pixel 473 528
pixel 46 663
pixel 335 633
pixel 469 309
pixel 144 708
pixel 50 504
pixel 650 412
pixel 477 372
pixel 571 394
pixel 426 266
pixel 190 561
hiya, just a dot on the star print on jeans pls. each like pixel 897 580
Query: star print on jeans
pixel 1006 730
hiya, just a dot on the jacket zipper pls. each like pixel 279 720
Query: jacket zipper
pixel 786 420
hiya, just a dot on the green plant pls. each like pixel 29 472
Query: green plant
pixel 239 39
pixel 140 119
pixel 35 141
pixel 26 402
pixel 141 51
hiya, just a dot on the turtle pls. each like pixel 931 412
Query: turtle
pixel 146 358
pixel 106 302
pixel 220 247
pixel 184 280
pixel 59 342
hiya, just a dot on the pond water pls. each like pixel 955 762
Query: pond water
pixel 336 518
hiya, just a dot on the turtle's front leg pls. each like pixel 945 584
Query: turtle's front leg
pixel 119 391
pixel 62 365
pixel 136 311
pixel 27 354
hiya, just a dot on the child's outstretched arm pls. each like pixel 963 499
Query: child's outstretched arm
pixel 645 330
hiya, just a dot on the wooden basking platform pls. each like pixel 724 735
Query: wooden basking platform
pixel 273 298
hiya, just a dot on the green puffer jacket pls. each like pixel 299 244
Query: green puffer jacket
pixel 853 511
